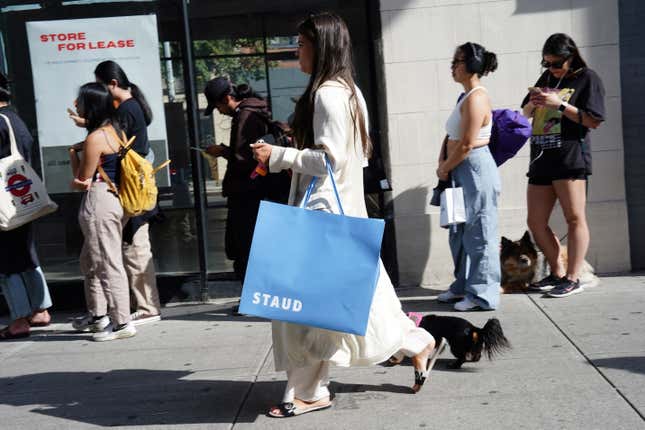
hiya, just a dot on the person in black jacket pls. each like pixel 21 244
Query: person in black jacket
pixel 250 122
pixel 23 283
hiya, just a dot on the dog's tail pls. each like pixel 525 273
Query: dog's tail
pixel 494 340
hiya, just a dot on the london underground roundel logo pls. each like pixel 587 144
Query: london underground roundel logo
pixel 18 185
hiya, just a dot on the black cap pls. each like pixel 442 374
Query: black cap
pixel 214 91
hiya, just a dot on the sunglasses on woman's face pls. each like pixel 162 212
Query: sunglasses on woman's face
pixel 553 64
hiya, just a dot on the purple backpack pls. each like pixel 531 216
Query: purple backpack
pixel 510 132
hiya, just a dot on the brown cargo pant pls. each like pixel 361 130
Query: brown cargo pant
pixel 140 267
pixel 106 283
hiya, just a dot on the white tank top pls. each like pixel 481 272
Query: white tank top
pixel 453 125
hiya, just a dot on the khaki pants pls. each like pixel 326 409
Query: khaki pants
pixel 139 265
pixel 106 283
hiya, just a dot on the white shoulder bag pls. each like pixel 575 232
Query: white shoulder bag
pixel 23 197
pixel 453 209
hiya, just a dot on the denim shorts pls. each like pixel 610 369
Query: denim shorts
pixel 548 180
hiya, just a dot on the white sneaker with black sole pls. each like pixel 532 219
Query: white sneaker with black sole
pixel 111 334
pixel 140 318
pixel 89 324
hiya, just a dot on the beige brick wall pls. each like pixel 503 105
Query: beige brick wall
pixel 419 37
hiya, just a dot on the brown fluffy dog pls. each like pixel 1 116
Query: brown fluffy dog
pixel 522 264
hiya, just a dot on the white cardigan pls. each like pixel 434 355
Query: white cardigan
pixel 334 136
pixel 295 345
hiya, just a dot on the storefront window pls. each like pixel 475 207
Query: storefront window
pixel 257 47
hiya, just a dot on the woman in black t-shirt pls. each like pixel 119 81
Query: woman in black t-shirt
pixel 567 101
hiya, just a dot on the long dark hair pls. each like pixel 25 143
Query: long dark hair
pixel 109 70
pixel 332 61
pixel 95 103
pixel 477 59
pixel 561 45
pixel 5 93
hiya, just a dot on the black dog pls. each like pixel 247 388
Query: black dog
pixel 466 341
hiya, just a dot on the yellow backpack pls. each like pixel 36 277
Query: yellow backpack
pixel 137 189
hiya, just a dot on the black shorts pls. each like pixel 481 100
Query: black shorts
pixel 548 180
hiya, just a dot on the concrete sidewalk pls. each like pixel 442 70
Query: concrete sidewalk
pixel 576 363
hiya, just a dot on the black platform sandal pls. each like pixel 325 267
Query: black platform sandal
pixel 420 376
pixel 288 409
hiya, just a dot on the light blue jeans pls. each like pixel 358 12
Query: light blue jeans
pixel 25 293
pixel 475 244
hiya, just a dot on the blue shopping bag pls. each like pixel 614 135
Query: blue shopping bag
pixel 311 267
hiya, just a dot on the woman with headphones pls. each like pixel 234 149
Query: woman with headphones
pixel 466 161
pixel 567 101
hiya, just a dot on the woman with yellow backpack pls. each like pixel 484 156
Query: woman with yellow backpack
pixel 101 215
pixel 134 115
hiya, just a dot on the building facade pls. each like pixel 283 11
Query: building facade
pixel 419 37
pixel 402 50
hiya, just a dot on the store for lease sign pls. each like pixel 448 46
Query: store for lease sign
pixel 64 54
pixel 80 41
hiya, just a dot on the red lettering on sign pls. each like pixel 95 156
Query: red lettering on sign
pixel 62 37
pixel 70 42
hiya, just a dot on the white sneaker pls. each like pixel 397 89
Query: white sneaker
pixel 139 318
pixel 449 296
pixel 466 305
pixel 87 323
pixel 110 334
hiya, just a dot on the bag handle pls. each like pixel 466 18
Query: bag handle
pixel 123 140
pixel 313 183
pixel 12 136
pixel 161 166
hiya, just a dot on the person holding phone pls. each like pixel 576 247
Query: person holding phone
pixel 565 103
pixel 330 126
pixel 250 118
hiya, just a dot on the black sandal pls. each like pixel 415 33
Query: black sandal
pixel 420 376
pixel 5 334
pixel 288 409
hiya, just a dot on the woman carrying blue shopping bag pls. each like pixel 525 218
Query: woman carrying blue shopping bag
pixel 331 123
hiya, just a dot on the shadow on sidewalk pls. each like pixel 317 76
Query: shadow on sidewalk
pixel 138 397
pixel 128 397
pixel 631 364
